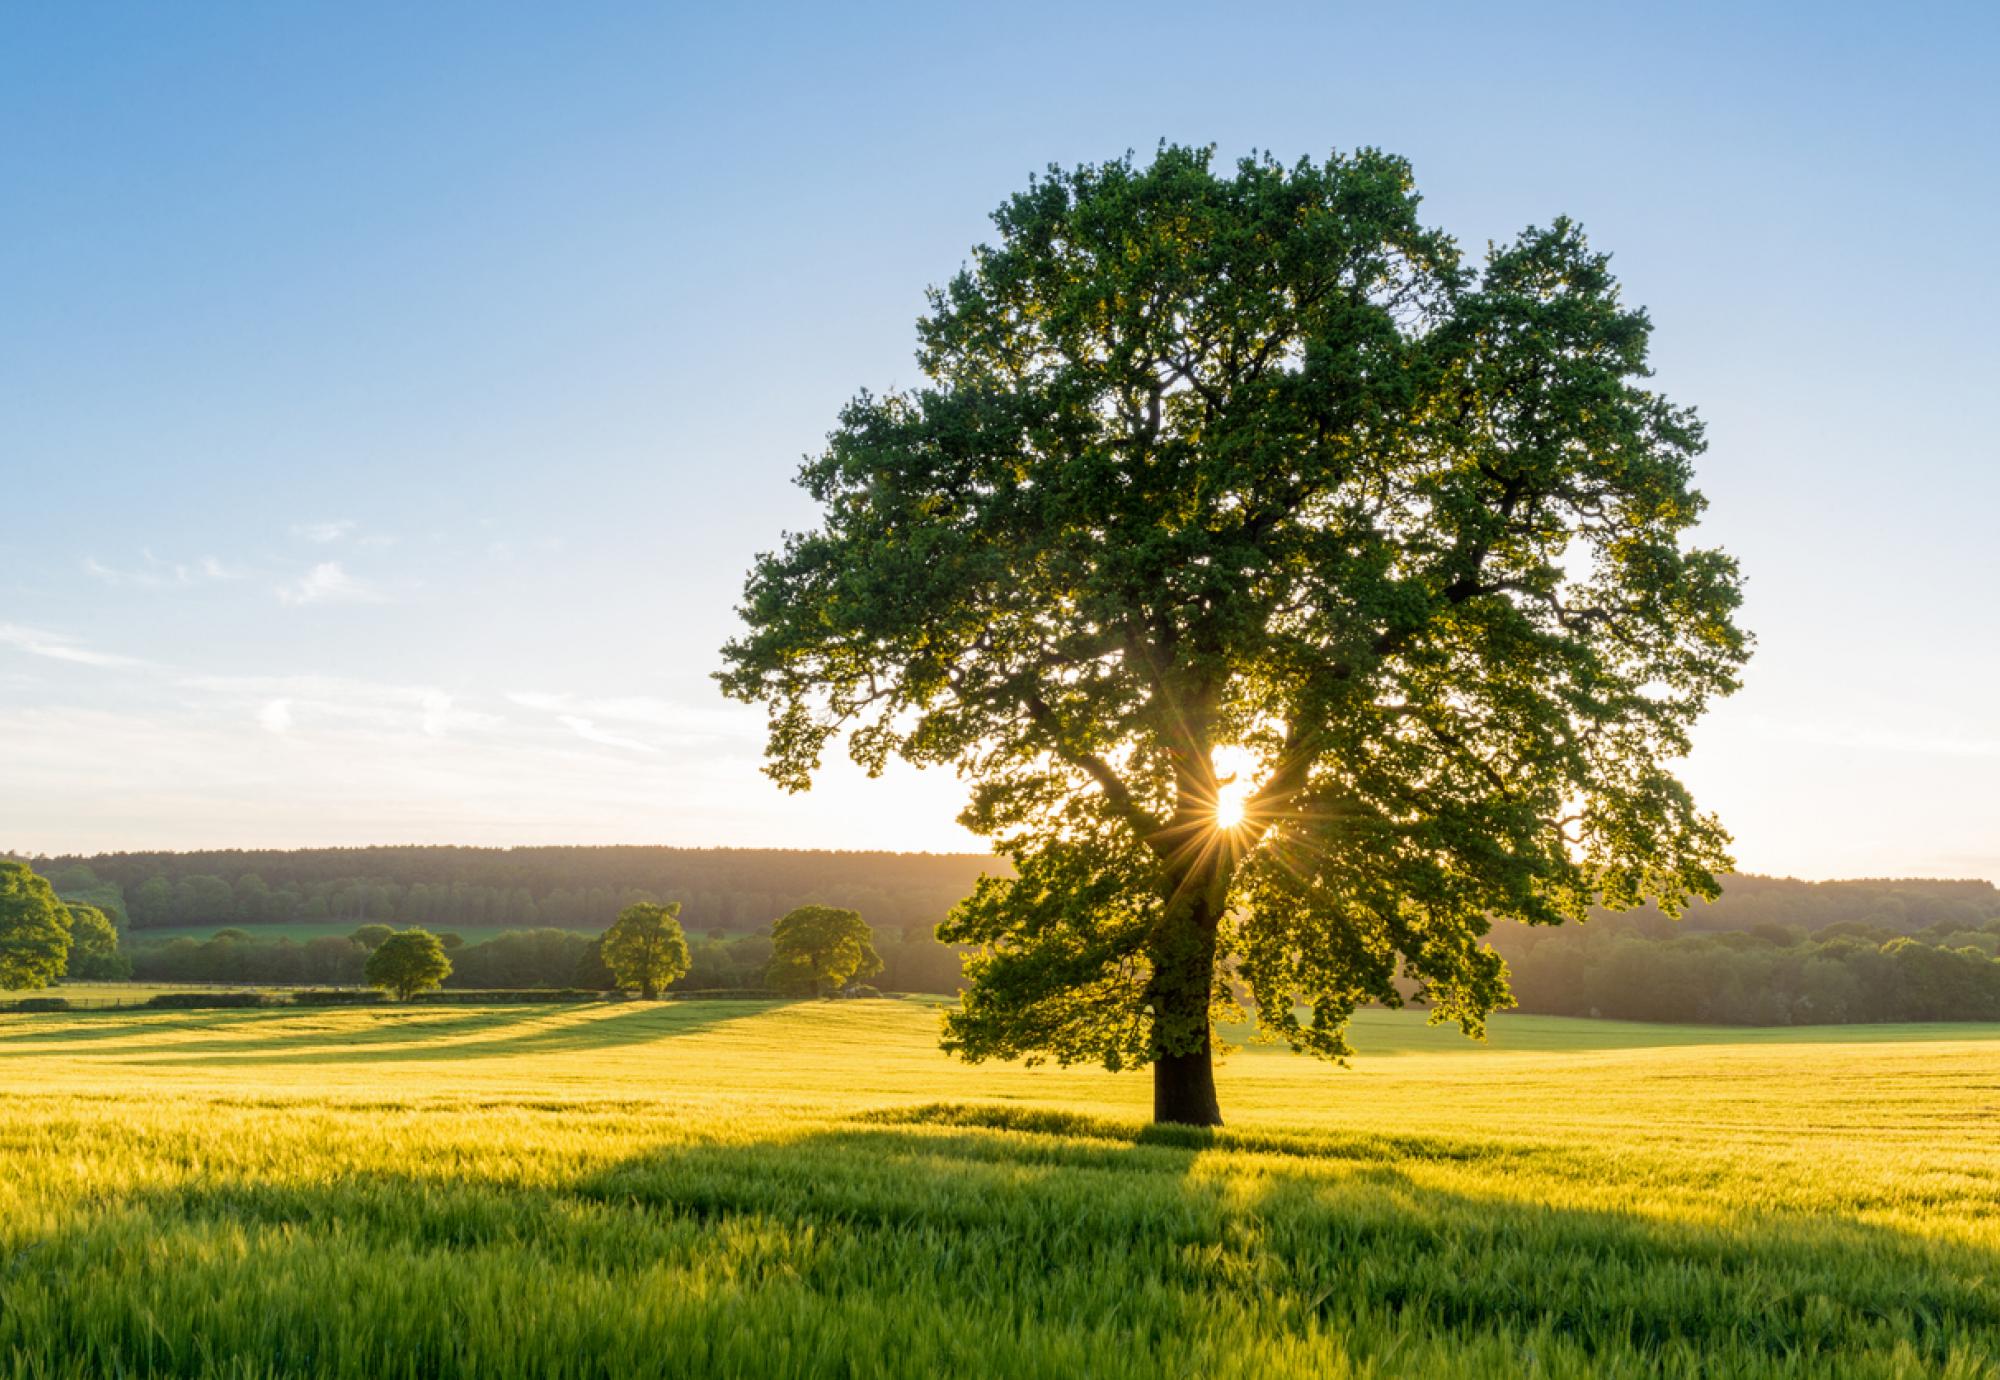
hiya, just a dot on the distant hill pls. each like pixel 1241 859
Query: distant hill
pixel 1903 905
pixel 742 889
pixel 569 887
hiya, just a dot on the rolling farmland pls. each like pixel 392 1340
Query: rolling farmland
pixel 730 1188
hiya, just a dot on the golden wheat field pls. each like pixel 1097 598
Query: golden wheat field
pixel 750 1189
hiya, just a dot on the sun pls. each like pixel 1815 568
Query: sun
pixel 1238 770
pixel 1229 807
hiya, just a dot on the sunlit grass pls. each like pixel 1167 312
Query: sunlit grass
pixel 810 1189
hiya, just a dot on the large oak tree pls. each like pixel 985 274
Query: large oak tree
pixel 1248 486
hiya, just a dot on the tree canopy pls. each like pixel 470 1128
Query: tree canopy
pixel 408 962
pixel 34 929
pixel 820 949
pixel 1294 595
pixel 93 950
pixel 371 936
pixel 645 948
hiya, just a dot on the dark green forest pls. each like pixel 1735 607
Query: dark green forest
pixel 1771 951
pixel 743 889
pixel 564 888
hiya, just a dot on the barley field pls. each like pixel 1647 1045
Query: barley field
pixel 745 1189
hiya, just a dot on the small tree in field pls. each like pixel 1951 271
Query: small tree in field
pixel 820 949
pixel 93 950
pixel 645 949
pixel 34 929
pixel 408 962
pixel 1296 595
pixel 370 936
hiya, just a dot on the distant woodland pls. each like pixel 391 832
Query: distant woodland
pixel 1772 951
pixel 565 888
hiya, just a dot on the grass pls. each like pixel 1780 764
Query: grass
pixel 130 992
pixel 747 1189
pixel 299 931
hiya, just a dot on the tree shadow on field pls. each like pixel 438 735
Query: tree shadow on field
pixel 923 1238
pixel 1339 1231
pixel 75 1027
pixel 262 1027
pixel 412 1035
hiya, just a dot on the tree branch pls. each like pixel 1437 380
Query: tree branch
pixel 1116 792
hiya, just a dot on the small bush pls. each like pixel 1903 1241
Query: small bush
pixel 336 997
pixel 726 994
pixel 209 1001
pixel 525 994
pixel 40 1004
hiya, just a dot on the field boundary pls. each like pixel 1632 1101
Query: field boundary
pixel 217 997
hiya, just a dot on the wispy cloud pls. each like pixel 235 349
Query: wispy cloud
pixel 57 647
pixel 329 583
pixel 441 717
pixel 591 733
pixel 283 703
pixel 322 533
pixel 158 574
pixel 683 721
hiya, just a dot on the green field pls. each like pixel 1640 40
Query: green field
pixel 299 931
pixel 85 992
pixel 717 1188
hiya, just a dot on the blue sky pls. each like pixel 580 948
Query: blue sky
pixel 392 397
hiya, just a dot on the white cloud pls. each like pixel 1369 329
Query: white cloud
pixel 437 712
pixel 158 574
pixel 204 775
pixel 339 700
pixel 590 732
pixel 322 532
pixel 328 583
pixel 57 647
pixel 682 720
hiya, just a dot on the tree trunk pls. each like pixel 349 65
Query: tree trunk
pixel 1184 1088
pixel 1199 862
pixel 1183 958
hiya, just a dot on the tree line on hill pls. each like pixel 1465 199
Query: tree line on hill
pixel 1611 968
pixel 1768 975
pixel 737 890
pixel 1898 905
pixel 533 958
pixel 743 890
pixel 1772 951
pixel 812 950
